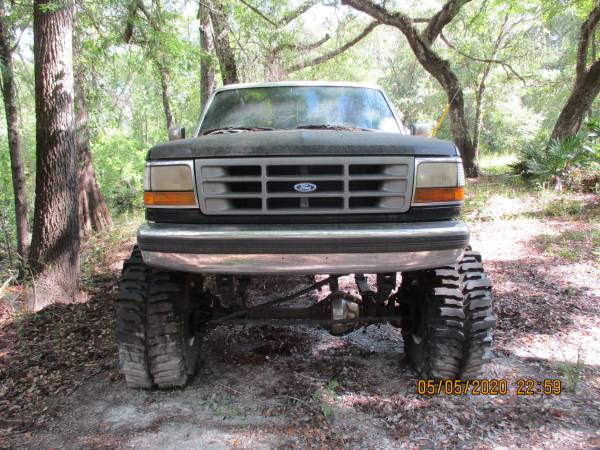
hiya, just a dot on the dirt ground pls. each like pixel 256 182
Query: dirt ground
pixel 299 387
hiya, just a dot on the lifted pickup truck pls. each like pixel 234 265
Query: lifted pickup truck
pixel 302 178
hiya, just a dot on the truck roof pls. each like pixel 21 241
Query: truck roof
pixel 297 83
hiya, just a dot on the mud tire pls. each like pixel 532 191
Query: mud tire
pixel 157 347
pixel 447 319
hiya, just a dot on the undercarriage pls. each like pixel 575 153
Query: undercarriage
pixel 340 312
pixel 445 315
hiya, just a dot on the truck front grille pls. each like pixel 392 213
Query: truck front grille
pixel 305 185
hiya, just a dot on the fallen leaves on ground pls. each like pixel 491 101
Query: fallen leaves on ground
pixel 45 356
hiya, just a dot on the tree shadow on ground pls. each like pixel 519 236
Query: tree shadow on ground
pixel 529 299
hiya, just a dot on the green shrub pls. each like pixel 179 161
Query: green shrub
pixel 119 163
pixel 572 163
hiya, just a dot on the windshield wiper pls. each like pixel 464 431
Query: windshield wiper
pixel 226 130
pixel 326 126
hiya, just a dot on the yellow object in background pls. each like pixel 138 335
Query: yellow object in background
pixel 439 124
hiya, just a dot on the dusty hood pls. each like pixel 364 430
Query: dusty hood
pixel 302 142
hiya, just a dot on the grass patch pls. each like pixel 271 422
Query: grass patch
pixel 496 163
pixel 573 372
pixel 499 194
pixel 493 196
pixel 563 207
pixel 572 245
pixel 568 205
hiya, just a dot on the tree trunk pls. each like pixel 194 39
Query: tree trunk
pixel 441 71
pixel 480 95
pixel 223 48
pixel 9 93
pixel 590 111
pixel 54 255
pixel 207 71
pixel 579 102
pixel 587 81
pixel 93 212
pixel 478 111
pixel 165 78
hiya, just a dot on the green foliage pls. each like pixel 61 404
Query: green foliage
pixel 51 7
pixel 573 372
pixel 325 398
pixel 119 161
pixel 573 162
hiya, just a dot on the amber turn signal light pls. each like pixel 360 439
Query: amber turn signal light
pixel 439 195
pixel 169 198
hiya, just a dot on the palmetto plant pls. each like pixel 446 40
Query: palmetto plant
pixel 560 159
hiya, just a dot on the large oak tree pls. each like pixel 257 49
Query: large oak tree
pixel 54 255
pixel 421 42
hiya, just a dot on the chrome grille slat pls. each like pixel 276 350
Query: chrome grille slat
pixel 350 185
pixel 305 177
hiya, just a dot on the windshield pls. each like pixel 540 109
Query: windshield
pixel 289 107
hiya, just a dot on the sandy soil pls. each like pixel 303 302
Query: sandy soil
pixel 299 387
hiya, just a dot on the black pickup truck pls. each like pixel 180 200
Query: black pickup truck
pixel 302 178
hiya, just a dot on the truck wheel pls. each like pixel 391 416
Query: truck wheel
pixel 447 319
pixel 156 341
pixel 479 315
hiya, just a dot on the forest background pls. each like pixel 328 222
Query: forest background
pixel 143 66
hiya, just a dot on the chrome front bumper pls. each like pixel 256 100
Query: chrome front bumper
pixel 302 249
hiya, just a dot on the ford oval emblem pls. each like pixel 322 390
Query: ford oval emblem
pixel 305 187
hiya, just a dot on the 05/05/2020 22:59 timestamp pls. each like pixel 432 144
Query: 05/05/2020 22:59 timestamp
pixel 521 386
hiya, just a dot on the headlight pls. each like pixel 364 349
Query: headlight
pixel 169 184
pixel 170 178
pixel 439 182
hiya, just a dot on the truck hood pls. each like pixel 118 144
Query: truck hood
pixel 302 143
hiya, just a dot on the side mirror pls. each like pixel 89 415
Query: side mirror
pixel 421 128
pixel 176 133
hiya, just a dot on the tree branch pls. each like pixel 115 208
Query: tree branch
pixel 131 13
pixel 22 30
pixel 259 13
pixel 151 21
pixel 333 53
pixel 406 24
pixel 593 73
pixel 289 17
pixel 379 13
pixel 504 64
pixel 297 12
pixel 442 18
pixel 133 8
pixel 302 47
pixel 587 29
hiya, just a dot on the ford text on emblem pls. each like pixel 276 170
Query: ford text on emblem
pixel 305 187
